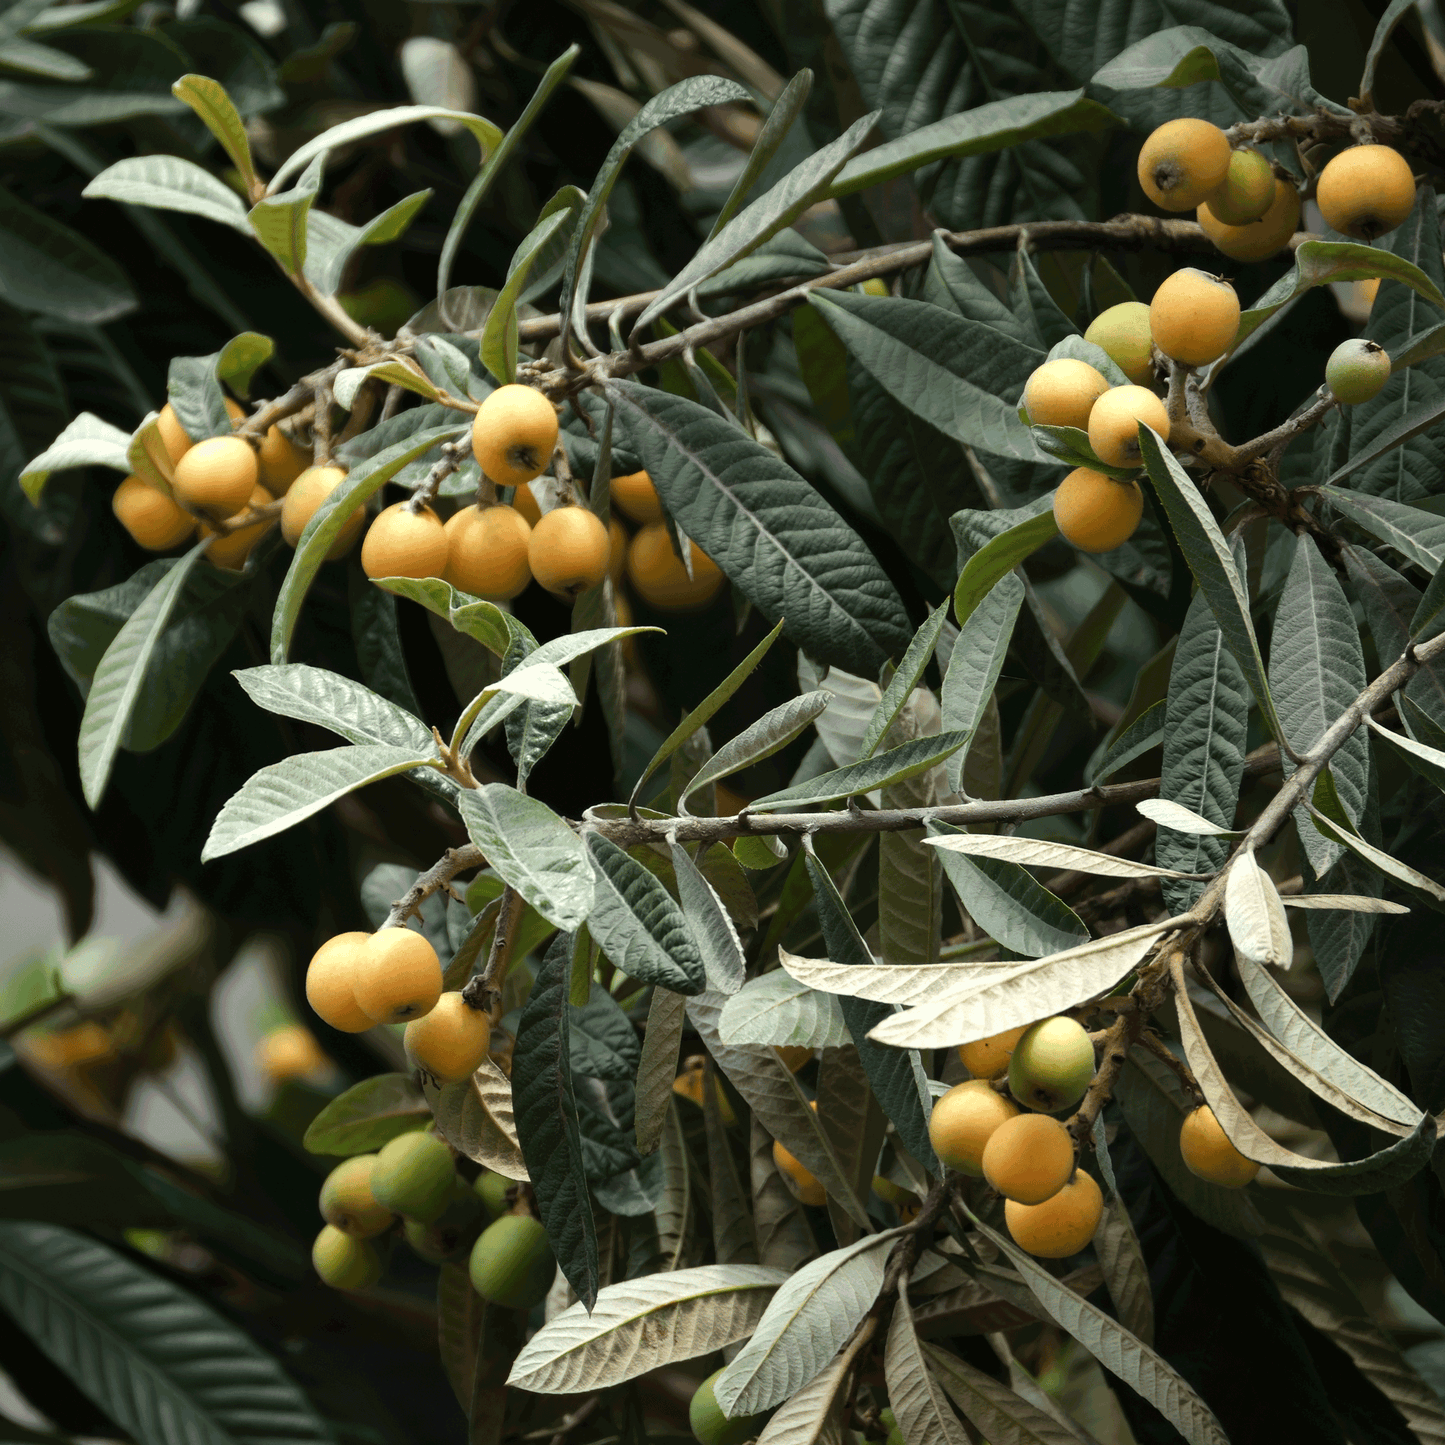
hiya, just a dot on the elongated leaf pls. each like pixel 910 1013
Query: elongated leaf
pixel 779 1011
pixel 904 680
pixel 534 681
pixel 217 110
pixel 1030 991
pixel 1125 1272
pixel 804 1325
pixel 1254 914
pixel 712 926
pixel 1421 757
pixel 657 1066
pixel 471 616
pixel 810 1417
pixel 991 1405
pixel 1041 853
pixel 931 360
pixel 1417 535
pixel 547 1122
pixel 638 925
pixel 119 678
pixel 86 441
pixel 882 770
pixel 367 1115
pixel 362 483
pixel 331 243
pixel 476 1118
pixel 994 561
pixel 785 110
pixel 977 659
pixel 778 541
pixel 1009 903
pixel 1181 819
pixel 1343 902
pixel 281 223
pixel 1211 562
pixel 639 1324
pixel 531 849
pixel 170 184
pixel 919 1405
pixel 761 739
pixel 162 1364
pixel 902 984
pixel 286 793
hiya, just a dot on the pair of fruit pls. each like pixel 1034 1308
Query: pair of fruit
pixel 655 570
pixel 357 980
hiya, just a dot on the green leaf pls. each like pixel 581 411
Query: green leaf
pixel 216 109
pixel 761 739
pixel 45 61
pixel 547 1122
pixel 785 110
pixel 932 361
pixel 999 557
pixel 47 267
pixel 471 616
pixel 241 358
pixel 286 793
pixel 1417 535
pixel 657 1067
pixel 898 1080
pixel 531 849
pixel 194 392
pixel 975 663
pixel 802 187
pixel 918 1404
pixel 368 1115
pixel 169 183
pixel 711 924
pixel 280 221
pixel 996 126
pixel 900 686
pixel 1211 562
pixel 1412 878
pixel 676 101
pixel 116 687
pixel 991 1405
pixel 882 770
pixel 1316 671
pixel 1009 904
pixel 780 1012
pixel 779 542
pixel 638 925
pixel 362 482
pixel 331 242
pixel 167 1368
pixel 1206 718
pixel 87 441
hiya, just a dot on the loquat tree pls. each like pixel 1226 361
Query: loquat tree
pixel 841 755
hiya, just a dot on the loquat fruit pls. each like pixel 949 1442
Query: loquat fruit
pixel 1246 191
pixel 1114 424
pixel 397 976
pixel 988 1058
pixel 1061 1225
pixel 689 1085
pixel 290 1052
pixel 174 436
pixel 451 1041
pixel 1209 1154
pixel 404 543
pixel 230 549
pixel 487 551
pixel 1029 1158
pixel 569 550
pixel 1366 191
pixel 1260 239
pixel 1123 332
pixel 708 1423
pixel 492 1190
pixel 1357 370
pixel 413 1176
pixel 1052 1065
pixel 794 1056
pixel 660 579
pixel 303 500
pixel 525 501
pixel 895 1194
pixel 617 540
pixel 446 1236
pixel 1096 513
pixel 1063 392
pixel 512 1264
pixel 329 979
pixel 1182 162
pixel 514 435
pixel 636 498
pixel 151 517
pixel 1194 316
pixel 799 1179
pixel 348 1199
pixel 344 1262
pixel 217 476
pixel 281 460
pixel 963 1121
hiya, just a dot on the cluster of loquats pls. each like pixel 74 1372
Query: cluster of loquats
pixel 1000 1126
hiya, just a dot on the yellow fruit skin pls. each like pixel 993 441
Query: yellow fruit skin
pixel 173 435
pixel 636 498
pixel 1194 317
pixel 290 1052
pixel 569 550
pixel 230 549
pixel 688 1085
pixel 1209 1154
pixel 798 1178
pixel 1052 1065
pixel 1096 513
pixel 487 552
pixel 397 976
pixel 1366 191
pixel 451 1041
pixel 1060 1226
pixel 1114 424
pixel 963 1121
pixel 1260 239
pixel 1123 332
pixel 329 983
pixel 1247 191
pixel 414 1176
pixel 403 543
pixel 1063 392
pixel 303 500
pixel 344 1262
pixel 512 1264
pixel 1182 162
pixel 347 1201
pixel 617 540
pixel 659 578
pixel 281 461
pixel 216 476
pixel 1029 1158
pixel 793 1057
pixel 514 435
pixel 988 1058
pixel 526 503
pixel 151 518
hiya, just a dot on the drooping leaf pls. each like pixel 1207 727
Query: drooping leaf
pixel 1254 914
pixel 1125 1271
pixel 777 1010
pixel 367 1115
pixel 712 926
pixel 86 441
pixel 476 1118
pixel 996 558
pixel 991 1405
pixel 919 1405
pixel 1042 853
pixel 977 659
pixel 882 770
pixel 761 739
pixel 901 685
pixel 1417 535
pixel 657 1066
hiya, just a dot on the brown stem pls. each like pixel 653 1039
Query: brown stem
pixel 249 518
pixel 500 958
pixel 1150 1040
pixel 453 454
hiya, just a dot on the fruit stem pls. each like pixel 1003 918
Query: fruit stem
pixel 1148 1039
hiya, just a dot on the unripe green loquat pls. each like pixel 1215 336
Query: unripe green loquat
pixel 1247 189
pixel 512 1264
pixel 1357 370
pixel 1260 239
pixel 492 1190
pixel 1052 1065
pixel 344 1262
pixel 348 1201
pixel 1123 332
pixel 708 1423
pixel 413 1176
